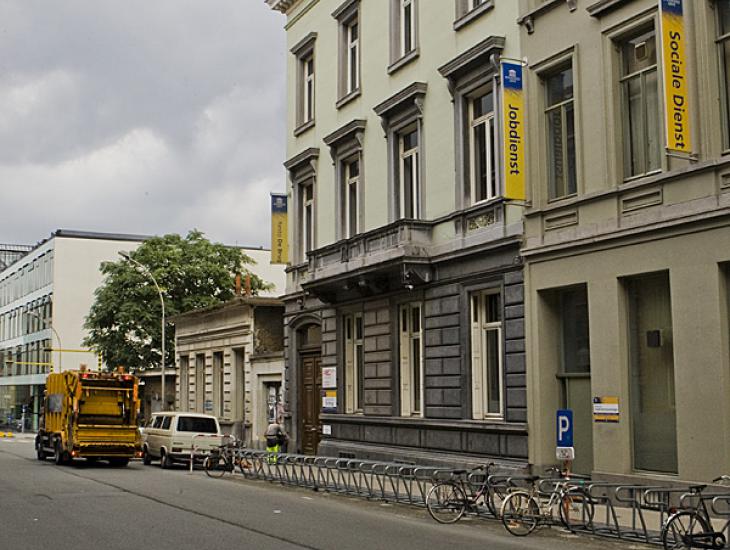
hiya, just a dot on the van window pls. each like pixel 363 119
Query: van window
pixel 166 423
pixel 197 424
pixel 158 422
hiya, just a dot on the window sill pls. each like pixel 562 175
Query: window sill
pixel 472 15
pixel 403 61
pixel 558 200
pixel 344 100
pixel 299 130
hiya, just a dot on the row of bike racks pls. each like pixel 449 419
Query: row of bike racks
pixel 633 513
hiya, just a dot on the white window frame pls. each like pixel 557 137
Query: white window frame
pixel 352 226
pixel 407 22
pixel 479 356
pixel 307 217
pixel 308 88
pixel 487 120
pixel 411 391
pixel 474 4
pixel 352 62
pixel 403 155
pixel 353 367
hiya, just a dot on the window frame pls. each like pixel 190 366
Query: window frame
pixel 404 155
pixel 480 375
pixel 623 78
pixel 306 217
pixel 412 391
pixel 399 55
pixel 354 368
pixel 306 83
pixel 349 80
pixel 351 211
pixel 490 121
pixel 724 76
pixel 548 108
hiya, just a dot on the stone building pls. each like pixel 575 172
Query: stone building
pixel 404 331
pixel 230 363
pixel 627 237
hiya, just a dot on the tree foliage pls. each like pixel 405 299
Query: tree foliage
pixel 124 323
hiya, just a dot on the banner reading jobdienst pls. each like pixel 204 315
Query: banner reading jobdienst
pixel 674 64
pixel 279 229
pixel 513 124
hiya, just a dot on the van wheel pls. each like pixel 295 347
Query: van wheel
pixel 165 462
pixel 146 458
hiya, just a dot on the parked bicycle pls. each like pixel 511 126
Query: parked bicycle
pixel 224 458
pixel 691 526
pixel 447 501
pixel 524 509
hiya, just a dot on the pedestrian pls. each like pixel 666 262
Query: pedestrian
pixel 276 438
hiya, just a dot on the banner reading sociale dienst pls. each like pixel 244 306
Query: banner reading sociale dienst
pixel 513 129
pixel 674 64
pixel 279 229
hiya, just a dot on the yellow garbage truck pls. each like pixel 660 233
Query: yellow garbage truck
pixel 90 415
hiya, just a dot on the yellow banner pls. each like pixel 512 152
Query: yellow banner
pixel 279 229
pixel 676 100
pixel 513 124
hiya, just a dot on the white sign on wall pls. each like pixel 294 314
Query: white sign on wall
pixel 329 377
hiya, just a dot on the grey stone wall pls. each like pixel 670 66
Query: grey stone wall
pixel 378 391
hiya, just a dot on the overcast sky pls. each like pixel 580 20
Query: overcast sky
pixel 140 116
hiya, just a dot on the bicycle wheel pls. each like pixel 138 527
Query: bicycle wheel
pixel 494 500
pixel 520 513
pixel 446 502
pixel 576 509
pixel 215 465
pixel 680 527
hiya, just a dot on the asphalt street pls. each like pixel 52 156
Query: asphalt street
pixel 85 507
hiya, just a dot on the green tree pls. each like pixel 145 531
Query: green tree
pixel 124 321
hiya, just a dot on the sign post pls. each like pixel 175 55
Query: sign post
pixel 564 449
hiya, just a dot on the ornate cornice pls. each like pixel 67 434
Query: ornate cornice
pixel 280 5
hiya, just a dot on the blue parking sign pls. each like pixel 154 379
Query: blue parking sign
pixel 564 428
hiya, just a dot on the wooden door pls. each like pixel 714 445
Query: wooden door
pixel 310 402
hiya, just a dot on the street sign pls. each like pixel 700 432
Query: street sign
pixel 564 428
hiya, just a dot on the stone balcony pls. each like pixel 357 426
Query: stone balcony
pixel 403 253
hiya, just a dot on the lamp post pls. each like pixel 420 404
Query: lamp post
pixel 147 272
pixel 60 345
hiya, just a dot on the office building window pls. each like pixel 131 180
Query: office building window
pixel 486 354
pixel 560 125
pixel 723 43
pixel 409 185
pixel 642 136
pixel 353 56
pixel 411 362
pixel 306 218
pixel 354 363
pixel 482 147
pixel 305 83
pixel 350 193
pixel 403 33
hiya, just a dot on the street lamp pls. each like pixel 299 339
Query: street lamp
pixel 60 346
pixel 146 271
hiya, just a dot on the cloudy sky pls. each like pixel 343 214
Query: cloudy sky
pixel 140 116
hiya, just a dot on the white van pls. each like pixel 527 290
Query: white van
pixel 170 436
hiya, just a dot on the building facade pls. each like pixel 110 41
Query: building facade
pixel 627 237
pixel 404 321
pixel 230 363
pixel 45 296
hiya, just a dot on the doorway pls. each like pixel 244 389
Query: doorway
pixel 309 342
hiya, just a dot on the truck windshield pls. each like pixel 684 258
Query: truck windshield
pixel 197 424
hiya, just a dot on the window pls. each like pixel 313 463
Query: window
pixel 560 125
pixel 403 33
pixel 354 362
pixel 350 195
pixel 640 104
pixel 218 383
pixel 409 191
pixel 200 382
pixel 306 218
pixel 166 421
pixel 306 89
pixel 723 42
pixel 483 162
pixel 407 42
pixel 197 424
pixel 411 364
pixel 353 56
pixel 486 352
